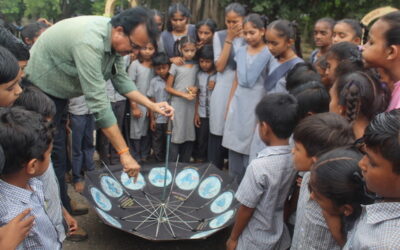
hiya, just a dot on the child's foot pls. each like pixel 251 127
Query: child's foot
pixel 78 235
pixel 79 186
pixel 78 208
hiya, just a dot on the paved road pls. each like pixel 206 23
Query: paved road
pixel 103 237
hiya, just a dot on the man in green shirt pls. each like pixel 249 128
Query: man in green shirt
pixel 77 56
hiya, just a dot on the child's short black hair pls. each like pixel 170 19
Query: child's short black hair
pixel 207 52
pixel 9 68
pixel 383 136
pixel 160 59
pixel 323 132
pixel 31 30
pixel 24 135
pixel 311 97
pixel 14 45
pixel 279 111
pixel 34 99
pixel 301 73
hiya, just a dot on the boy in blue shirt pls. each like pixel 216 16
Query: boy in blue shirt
pixel 378 225
pixel 157 93
pixel 267 182
pixel 26 138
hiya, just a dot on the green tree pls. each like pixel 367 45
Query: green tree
pixel 49 9
pixel 13 10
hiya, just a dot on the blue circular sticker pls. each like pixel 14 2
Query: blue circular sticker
pixel 111 187
pixel 109 218
pixel 187 179
pixel 203 234
pixel 220 220
pixel 101 200
pixel 210 187
pixel 157 176
pixel 128 181
pixel 222 202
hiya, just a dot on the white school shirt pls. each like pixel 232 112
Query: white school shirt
pixel 265 187
pixel 377 228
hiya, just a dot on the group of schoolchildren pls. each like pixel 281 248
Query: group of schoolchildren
pixel 314 147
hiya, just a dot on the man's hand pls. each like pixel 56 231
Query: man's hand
pixel 130 166
pixel 12 234
pixel 164 109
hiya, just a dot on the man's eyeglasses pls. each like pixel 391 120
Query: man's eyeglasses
pixel 134 45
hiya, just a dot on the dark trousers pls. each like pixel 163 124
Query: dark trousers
pixel 201 143
pixel 82 127
pixel 59 153
pixel 184 150
pixel 106 151
pixel 216 152
pixel 159 141
pixel 141 147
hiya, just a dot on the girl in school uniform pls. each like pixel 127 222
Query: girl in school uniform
pixel 141 72
pixel 177 27
pixel 252 62
pixel 383 51
pixel 205 30
pixel 181 84
pixel 284 44
pixel 224 44
pixel 205 83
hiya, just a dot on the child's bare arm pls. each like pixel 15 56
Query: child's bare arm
pixel 334 223
pixel 243 217
pixel 169 87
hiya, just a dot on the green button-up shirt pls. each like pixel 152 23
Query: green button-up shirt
pixel 74 57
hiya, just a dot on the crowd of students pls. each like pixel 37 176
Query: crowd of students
pixel 314 146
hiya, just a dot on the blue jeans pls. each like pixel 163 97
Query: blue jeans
pixel 59 153
pixel 82 127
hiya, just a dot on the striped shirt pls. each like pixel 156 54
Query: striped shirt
pixel 377 228
pixel 14 200
pixel 52 200
pixel 311 230
pixel 265 187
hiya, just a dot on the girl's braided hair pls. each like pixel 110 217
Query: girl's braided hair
pixel 362 93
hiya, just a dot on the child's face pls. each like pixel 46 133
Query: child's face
pixel 159 22
pixel 334 105
pixel 301 160
pixel 342 32
pixel 205 34
pixel 253 36
pixel 162 70
pixel 277 45
pixel 326 204
pixel 178 22
pixel 147 51
pixel 10 91
pixel 188 51
pixel 232 19
pixel 206 64
pixel 331 65
pixel 322 34
pixel 378 174
pixel 324 78
pixel 375 50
